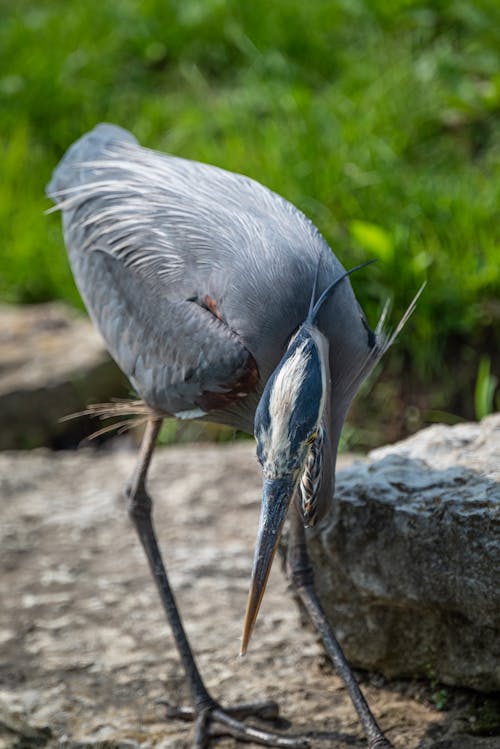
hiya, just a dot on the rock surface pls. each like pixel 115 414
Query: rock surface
pixel 52 363
pixel 84 650
pixel 409 567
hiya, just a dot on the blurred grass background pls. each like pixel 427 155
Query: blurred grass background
pixel 378 118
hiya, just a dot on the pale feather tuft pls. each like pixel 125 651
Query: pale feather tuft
pixel 133 412
pixel 384 339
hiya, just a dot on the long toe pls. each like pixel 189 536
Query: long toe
pixel 244 732
pixel 216 721
pixel 263 710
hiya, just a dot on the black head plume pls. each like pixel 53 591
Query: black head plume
pixel 315 307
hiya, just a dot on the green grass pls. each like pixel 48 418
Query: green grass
pixel 379 118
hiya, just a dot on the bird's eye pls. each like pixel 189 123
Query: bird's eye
pixel 311 438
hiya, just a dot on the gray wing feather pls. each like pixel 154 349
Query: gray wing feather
pixel 174 353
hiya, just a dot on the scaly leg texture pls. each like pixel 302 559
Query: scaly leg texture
pixel 301 574
pixel 210 718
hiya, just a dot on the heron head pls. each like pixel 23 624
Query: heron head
pixel 287 426
pixel 290 410
pixel 289 434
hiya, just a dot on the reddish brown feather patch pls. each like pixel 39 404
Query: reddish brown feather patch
pixel 246 382
pixel 209 303
pixel 246 378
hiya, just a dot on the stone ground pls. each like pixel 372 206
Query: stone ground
pixel 85 654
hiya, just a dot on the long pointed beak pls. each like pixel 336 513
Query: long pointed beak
pixel 276 496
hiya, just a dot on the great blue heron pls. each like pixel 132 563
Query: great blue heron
pixel 221 301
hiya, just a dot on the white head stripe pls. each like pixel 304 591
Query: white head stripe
pixel 283 407
pixel 282 400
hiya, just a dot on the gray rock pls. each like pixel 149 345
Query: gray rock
pixel 52 363
pixel 408 568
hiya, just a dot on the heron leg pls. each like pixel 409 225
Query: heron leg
pixel 139 508
pixel 300 572
pixel 210 718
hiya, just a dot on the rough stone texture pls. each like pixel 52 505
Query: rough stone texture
pixel 84 649
pixel 52 363
pixel 409 569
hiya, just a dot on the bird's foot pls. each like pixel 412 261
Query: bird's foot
pixel 217 721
